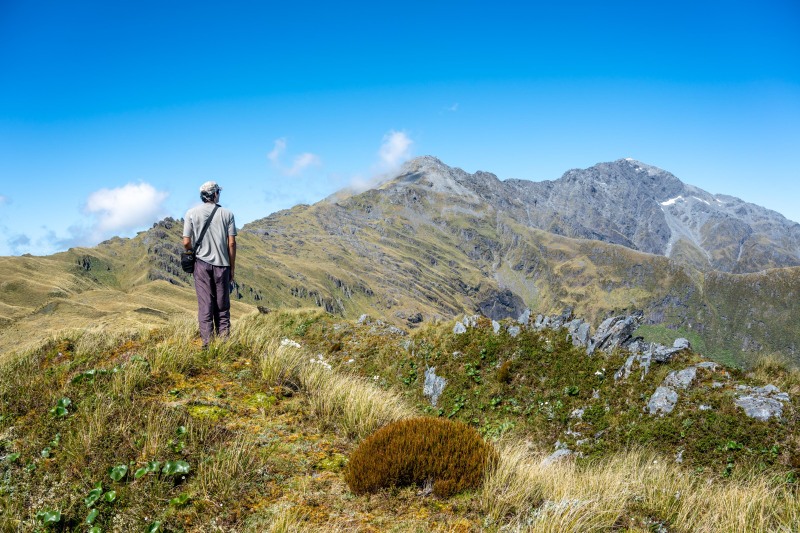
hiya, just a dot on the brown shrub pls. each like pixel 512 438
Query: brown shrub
pixel 450 455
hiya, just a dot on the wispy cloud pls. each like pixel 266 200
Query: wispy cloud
pixel 125 208
pixel 299 163
pixel 277 150
pixel 395 149
pixel 19 244
pixel 4 200
pixel 453 108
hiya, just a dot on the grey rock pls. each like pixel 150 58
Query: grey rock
pixel 514 330
pixel 760 407
pixel 364 319
pixel 459 328
pixel 579 332
pixel 708 365
pixel 502 304
pixel 433 386
pixel 538 324
pixel 471 321
pixel 662 401
pixel 496 326
pixel 662 354
pixel 681 379
pixel 761 403
pixel 625 370
pixel 681 344
pixel 577 413
pixel 614 332
pixel 525 317
pixel 556 456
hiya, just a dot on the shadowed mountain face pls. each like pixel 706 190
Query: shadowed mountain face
pixel 434 242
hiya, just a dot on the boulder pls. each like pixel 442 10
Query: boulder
pixel 681 379
pixel 459 328
pixel 761 403
pixel 662 401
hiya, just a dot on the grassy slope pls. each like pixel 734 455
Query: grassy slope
pixel 266 433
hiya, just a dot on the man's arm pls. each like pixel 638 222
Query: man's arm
pixel 187 243
pixel 232 253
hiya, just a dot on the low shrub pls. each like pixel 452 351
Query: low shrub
pixel 448 456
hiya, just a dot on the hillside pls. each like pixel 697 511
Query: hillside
pixel 144 431
pixel 434 242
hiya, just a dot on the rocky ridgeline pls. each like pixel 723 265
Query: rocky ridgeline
pixel 617 332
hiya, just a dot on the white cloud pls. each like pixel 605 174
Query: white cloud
pixel 125 208
pixel 453 107
pixel 277 150
pixel 303 161
pixel 395 150
pixel 299 164
pixel 4 200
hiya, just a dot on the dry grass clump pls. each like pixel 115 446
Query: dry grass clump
pixel 449 455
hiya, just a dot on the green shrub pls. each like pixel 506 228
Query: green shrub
pixel 420 451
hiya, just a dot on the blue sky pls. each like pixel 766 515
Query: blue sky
pixel 113 113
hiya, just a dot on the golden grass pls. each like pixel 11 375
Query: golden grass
pixel 632 487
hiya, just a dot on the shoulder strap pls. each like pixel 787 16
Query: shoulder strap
pixel 205 227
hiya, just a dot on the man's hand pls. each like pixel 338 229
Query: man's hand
pixel 232 253
pixel 187 243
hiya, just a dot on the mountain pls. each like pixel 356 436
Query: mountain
pixel 635 205
pixel 434 242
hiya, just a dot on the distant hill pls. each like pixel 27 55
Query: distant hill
pixel 433 242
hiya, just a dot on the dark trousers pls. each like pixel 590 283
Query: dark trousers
pixel 212 284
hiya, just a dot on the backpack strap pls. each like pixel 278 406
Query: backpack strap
pixel 205 227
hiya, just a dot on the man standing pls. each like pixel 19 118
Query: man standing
pixel 215 261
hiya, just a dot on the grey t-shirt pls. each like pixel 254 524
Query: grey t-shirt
pixel 214 247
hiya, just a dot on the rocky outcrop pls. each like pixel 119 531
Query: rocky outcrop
pixel 761 403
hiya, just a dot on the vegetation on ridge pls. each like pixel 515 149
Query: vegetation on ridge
pixel 146 430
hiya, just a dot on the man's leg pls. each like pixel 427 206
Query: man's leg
pixel 222 313
pixel 203 274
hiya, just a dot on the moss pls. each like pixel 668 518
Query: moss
pixel 207 412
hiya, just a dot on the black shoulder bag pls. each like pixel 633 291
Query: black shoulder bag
pixel 187 257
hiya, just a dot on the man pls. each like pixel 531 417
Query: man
pixel 215 262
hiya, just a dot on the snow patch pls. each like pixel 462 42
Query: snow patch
pixel 671 201
pixel 701 200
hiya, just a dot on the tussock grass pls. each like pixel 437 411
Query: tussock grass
pixel 345 400
pixel 637 488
